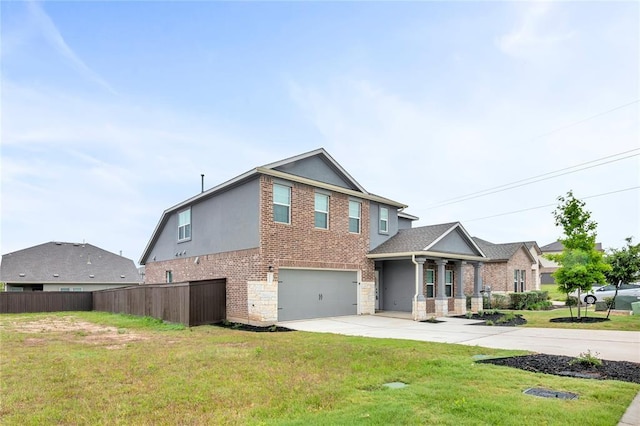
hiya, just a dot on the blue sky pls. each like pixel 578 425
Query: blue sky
pixel 112 110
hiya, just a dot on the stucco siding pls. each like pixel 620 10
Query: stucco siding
pixel 226 222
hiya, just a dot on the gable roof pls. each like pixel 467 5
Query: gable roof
pixel 58 262
pixel 504 251
pixel 275 169
pixel 422 240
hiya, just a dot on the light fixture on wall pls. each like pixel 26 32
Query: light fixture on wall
pixel 270 268
pixel 270 275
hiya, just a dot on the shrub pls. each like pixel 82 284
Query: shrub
pixel 532 300
pixel 571 301
pixel 610 302
pixel 587 359
pixel 500 301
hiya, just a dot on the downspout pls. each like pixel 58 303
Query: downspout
pixel 415 296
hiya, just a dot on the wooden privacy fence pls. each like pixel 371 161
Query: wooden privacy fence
pixel 13 302
pixel 191 303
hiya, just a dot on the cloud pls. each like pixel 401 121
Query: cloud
pixel 54 38
pixel 534 35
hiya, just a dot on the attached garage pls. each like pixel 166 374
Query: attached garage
pixel 304 293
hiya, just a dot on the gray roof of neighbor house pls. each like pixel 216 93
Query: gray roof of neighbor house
pixel 58 262
pixel 421 240
pixel 501 252
pixel 557 246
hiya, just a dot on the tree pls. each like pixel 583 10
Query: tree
pixel 581 265
pixel 625 267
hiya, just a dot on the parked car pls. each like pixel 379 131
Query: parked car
pixel 598 294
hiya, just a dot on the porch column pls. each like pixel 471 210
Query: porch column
pixel 442 304
pixel 476 299
pixel 419 301
pixel 461 299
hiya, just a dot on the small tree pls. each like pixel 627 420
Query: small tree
pixel 625 267
pixel 581 265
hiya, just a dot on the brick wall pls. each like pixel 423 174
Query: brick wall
pixel 301 245
pixel 499 275
pixel 238 267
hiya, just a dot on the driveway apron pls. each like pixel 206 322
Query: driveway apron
pixel 610 345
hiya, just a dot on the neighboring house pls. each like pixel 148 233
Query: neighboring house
pixel 548 267
pixel 510 267
pixel 301 238
pixel 57 266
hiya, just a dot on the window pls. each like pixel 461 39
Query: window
pixel 516 280
pixel 523 277
pixel 384 220
pixel 354 217
pixel 169 276
pixel 281 203
pixel 322 211
pixel 448 283
pixel 429 278
pixel 64 289
pixel 184 225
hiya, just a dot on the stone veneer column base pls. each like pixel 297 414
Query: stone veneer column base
pixel 263 302
pixel 460 306
pixel 419 310
pixel 442 307
pixel 367 302
pixel 476 304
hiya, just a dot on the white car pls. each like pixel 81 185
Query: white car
pixel 598 294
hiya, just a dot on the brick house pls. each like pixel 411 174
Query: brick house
pixel 510 267
pixel 548 267
pixel 300 238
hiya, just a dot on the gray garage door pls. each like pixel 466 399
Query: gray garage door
pixel 316 294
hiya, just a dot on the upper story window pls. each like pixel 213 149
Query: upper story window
pixel 384 220
pixel 281 203
pixel 322 211
pixel 184 225
pixel 354 216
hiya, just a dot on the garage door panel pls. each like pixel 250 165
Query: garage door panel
pixel 314 294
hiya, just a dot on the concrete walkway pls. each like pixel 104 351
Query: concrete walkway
pixel 609 345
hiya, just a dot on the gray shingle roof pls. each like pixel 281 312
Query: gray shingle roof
pixel 498 251
pixel 412 240
pixel 72 262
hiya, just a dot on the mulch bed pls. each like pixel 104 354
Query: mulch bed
pixel 253 328
pixel 560 366
pixel 584 320
pixel 498 319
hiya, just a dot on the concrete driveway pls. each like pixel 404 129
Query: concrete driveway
pixel 610 345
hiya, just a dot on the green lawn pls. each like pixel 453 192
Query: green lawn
pixel 554 293
pixel 142 372
pixel 616 321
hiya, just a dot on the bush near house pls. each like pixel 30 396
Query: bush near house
pixel 529 301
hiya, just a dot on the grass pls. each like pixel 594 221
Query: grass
pixel 212 375
pixel 554 293
pixel 541 319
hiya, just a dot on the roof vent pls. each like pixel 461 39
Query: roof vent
pixel 121 276
pixel 21 274
pixel 91 276
pixel 58 243
pixel 56 275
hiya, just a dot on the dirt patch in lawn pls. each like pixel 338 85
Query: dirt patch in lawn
pixel 73 329
pixel 566 366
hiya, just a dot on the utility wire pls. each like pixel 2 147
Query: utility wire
pixel 548 205
pixel 447 202
pixel 513 185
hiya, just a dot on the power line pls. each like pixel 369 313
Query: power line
pixel 529 181
pixel 548 205
pixel 450 200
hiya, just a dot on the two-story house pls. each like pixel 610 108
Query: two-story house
pixel 300 238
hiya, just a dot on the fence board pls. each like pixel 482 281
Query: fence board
pixel 45 301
